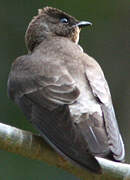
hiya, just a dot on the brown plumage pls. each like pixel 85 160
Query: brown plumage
pixel 63 91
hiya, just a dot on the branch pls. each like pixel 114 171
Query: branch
pixel 33 146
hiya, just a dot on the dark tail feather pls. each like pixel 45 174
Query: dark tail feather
pixel 58 130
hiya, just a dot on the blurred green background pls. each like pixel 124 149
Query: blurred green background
pixel 108 42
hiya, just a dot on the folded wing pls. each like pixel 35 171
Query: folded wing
pixel 100 89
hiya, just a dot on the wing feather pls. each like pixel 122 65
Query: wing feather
pixel 56 86
pixel 100 90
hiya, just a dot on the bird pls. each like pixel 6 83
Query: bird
pixel 63 92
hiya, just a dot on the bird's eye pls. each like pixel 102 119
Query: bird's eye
pixel 64 20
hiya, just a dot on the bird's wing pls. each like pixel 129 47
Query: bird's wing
pixel 44 102
pixel 100 90
pixel 50 79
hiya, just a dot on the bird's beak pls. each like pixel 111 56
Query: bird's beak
pixel 83 23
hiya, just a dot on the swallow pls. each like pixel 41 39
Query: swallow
pixel 63 92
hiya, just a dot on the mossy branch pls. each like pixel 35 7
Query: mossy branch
pixel 33 146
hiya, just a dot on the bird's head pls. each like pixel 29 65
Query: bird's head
pixel 52 22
